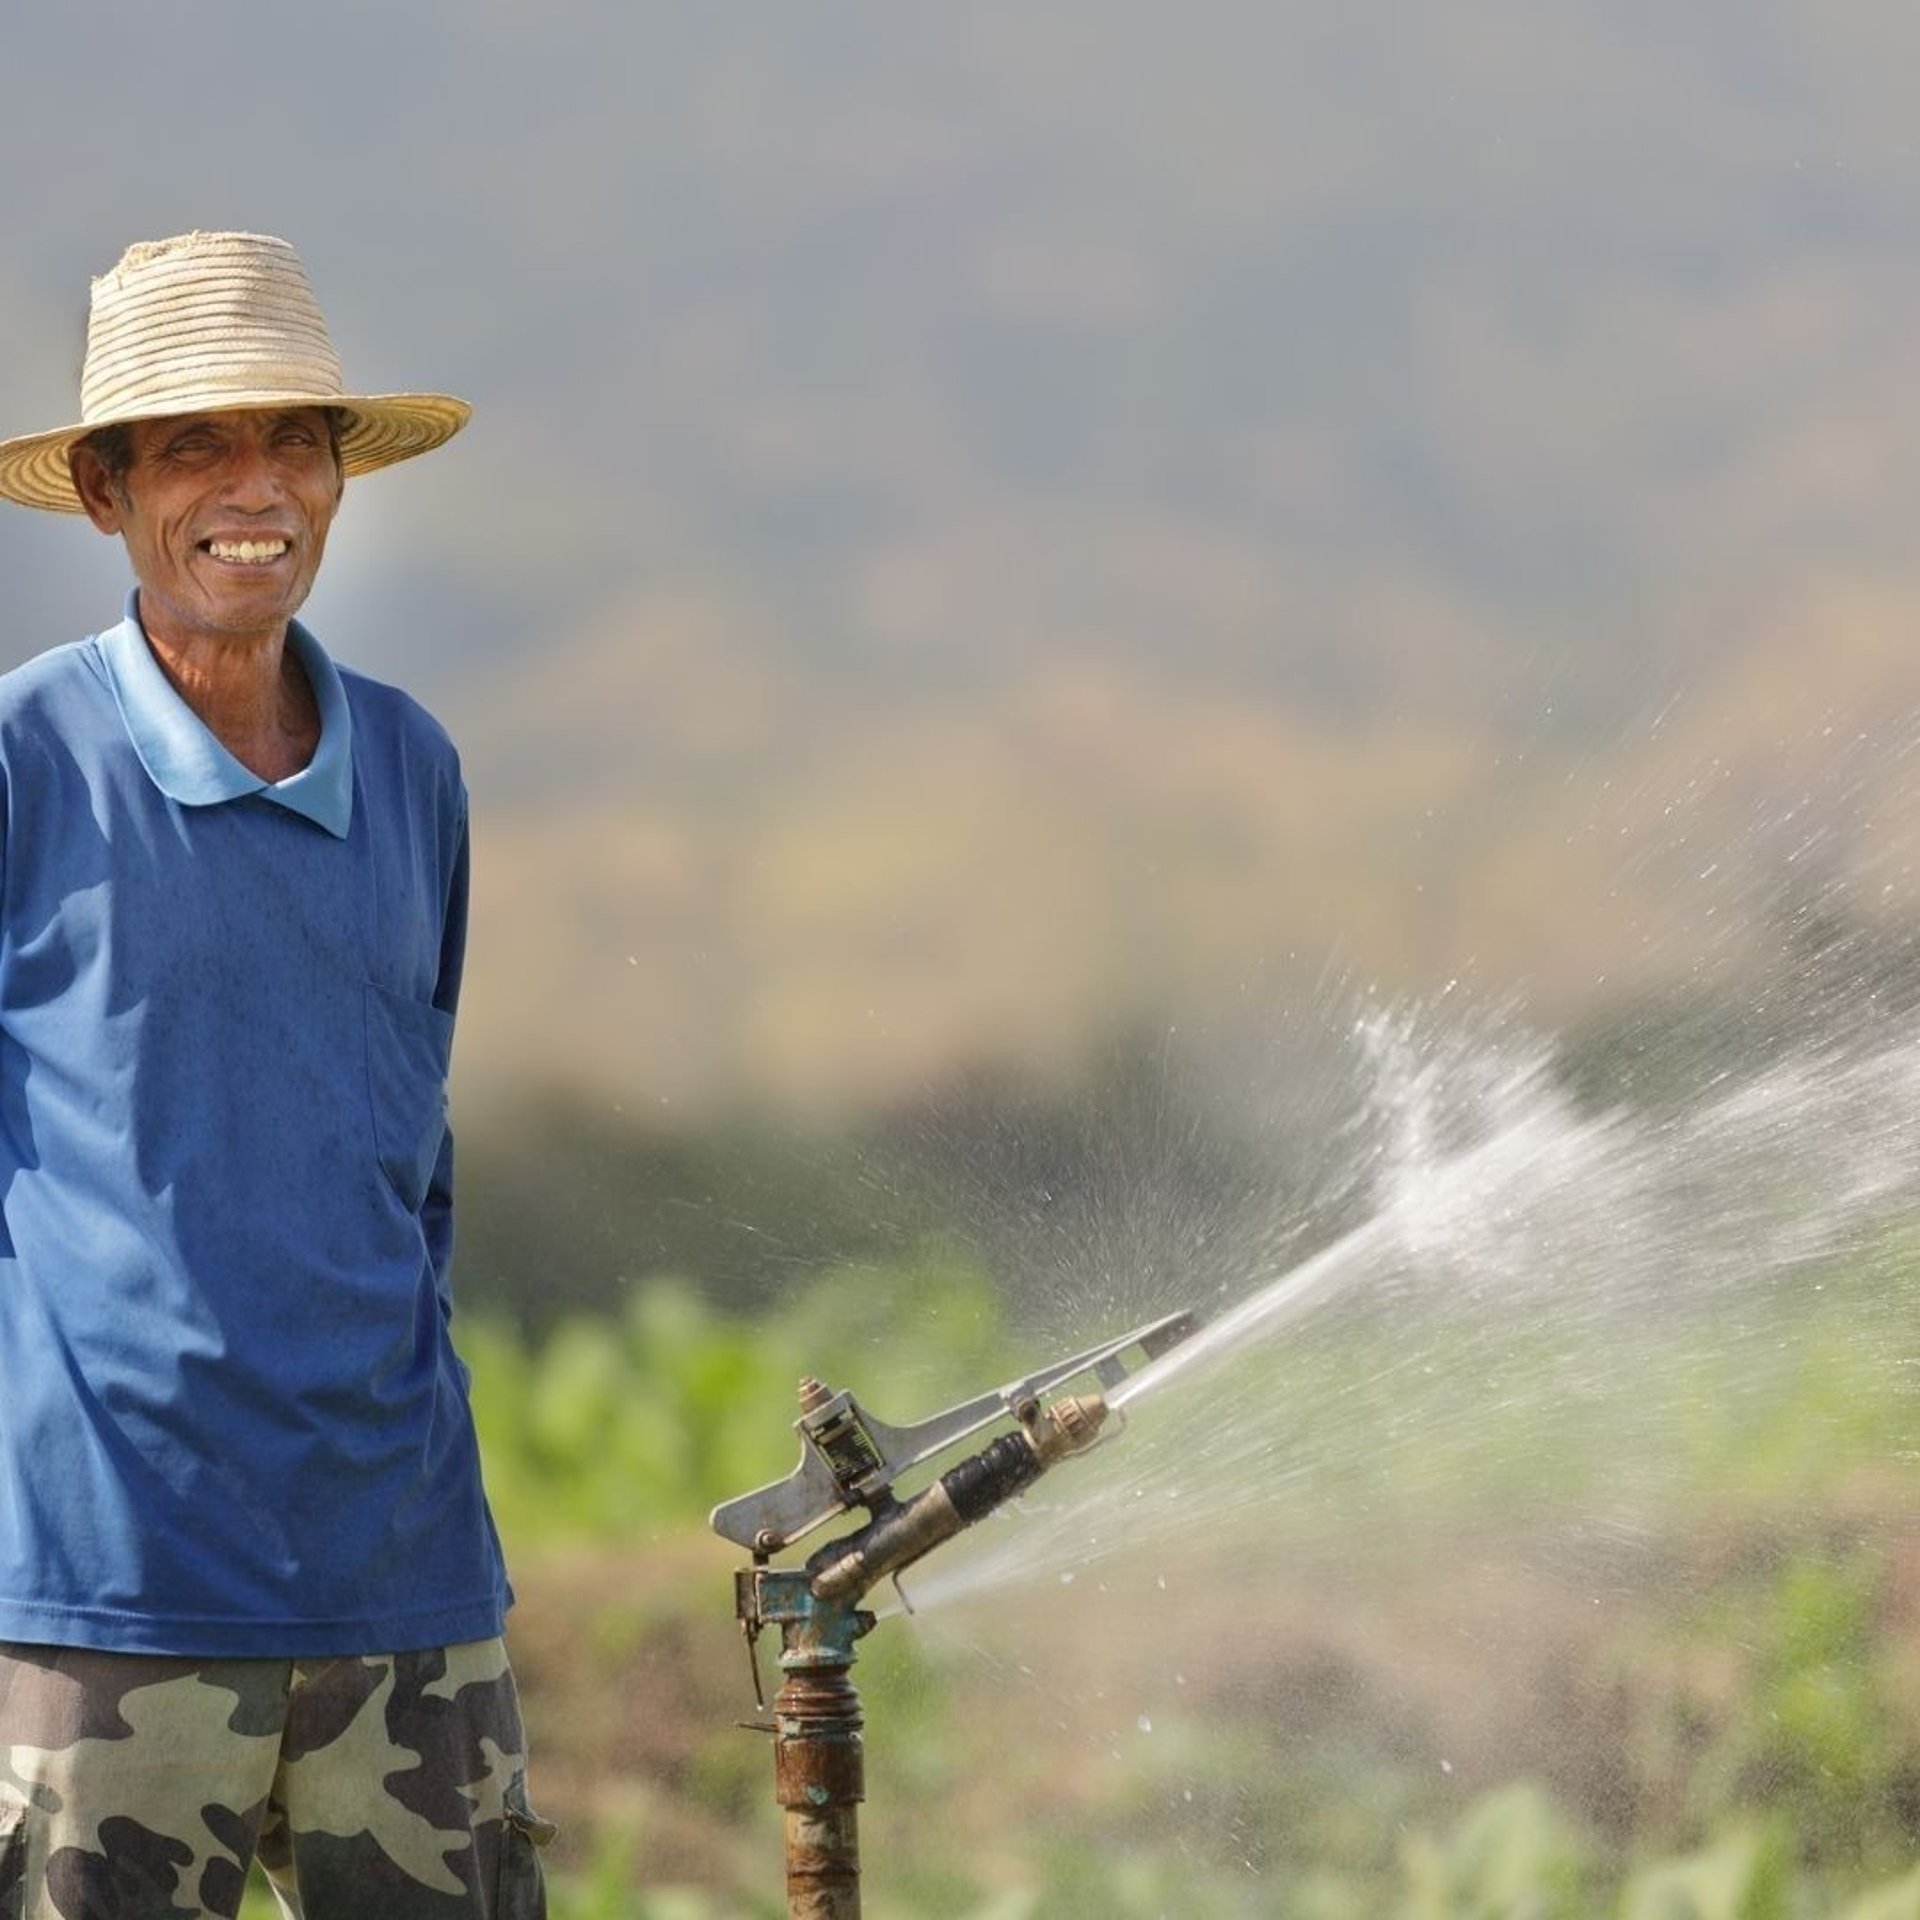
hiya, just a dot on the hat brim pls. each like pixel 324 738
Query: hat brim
pixel 380 429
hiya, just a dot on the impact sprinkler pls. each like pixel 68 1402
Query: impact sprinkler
pixel 849 1459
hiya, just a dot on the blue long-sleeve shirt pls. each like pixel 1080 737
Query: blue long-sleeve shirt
pixel 231 1419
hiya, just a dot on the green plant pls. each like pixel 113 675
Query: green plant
pixel 1514 1855
pixel 615 1425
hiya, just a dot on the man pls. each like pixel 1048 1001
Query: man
pixel 250 1595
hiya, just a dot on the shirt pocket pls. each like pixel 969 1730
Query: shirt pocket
pixel 409 1044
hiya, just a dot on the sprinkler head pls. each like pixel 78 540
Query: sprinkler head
pixel 901 1533
pixel 850 1459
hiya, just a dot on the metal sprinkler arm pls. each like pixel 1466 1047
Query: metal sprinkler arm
pixel 848 1458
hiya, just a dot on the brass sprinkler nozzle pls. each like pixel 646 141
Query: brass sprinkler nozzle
pixel 900 1533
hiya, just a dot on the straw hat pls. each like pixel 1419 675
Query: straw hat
pixel 204 323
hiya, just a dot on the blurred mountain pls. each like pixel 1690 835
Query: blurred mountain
pixel 985 521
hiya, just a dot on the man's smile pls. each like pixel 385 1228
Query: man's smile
pixel 246 553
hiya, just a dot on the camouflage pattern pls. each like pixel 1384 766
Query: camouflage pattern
pixel 141 1788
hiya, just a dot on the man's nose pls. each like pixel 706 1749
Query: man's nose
pixel 251 478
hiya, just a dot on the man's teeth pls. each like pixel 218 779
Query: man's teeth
pixel 247 552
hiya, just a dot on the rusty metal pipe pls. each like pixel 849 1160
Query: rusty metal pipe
pixel 819 1781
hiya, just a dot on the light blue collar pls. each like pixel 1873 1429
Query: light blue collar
pixel 186 762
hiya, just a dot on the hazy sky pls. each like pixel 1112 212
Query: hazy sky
pixel 872 396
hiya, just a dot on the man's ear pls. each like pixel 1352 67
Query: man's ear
pixel 91 481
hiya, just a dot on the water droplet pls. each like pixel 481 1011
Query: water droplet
pixel 1145 1723
pixel 1066 1579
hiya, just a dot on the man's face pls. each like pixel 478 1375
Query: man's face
pixel 225 517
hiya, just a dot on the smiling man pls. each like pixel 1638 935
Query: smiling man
pixel 224 527
pixel 251 1598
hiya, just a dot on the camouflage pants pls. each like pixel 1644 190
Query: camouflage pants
pixel 141 1788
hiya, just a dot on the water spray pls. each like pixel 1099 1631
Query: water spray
pixel 849 1459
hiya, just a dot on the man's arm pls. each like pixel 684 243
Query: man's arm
pixel 436 1210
